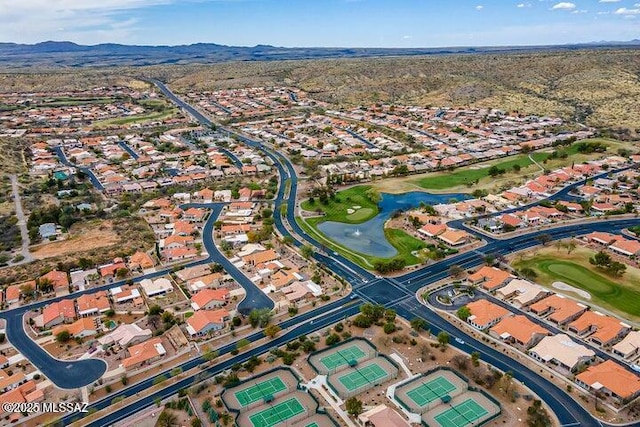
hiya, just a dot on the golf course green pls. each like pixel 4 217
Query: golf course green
pixel 613 293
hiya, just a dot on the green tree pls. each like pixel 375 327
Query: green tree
pixel 373 195
pixel 389 328
pixel 167 419
pixel 353 406
pixel 537 416
pixel 332 339
pixel 272 330
pixel 443 338
pixel 242 343
pixel 195 422
pixel 528 273
pixel 475 358
pixel 260 317
pixel 418 324
pixel 464 313
pixel 544 239
pixel 63 336
pixel 306 251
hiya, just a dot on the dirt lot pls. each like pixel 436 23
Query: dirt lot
pixel 81 238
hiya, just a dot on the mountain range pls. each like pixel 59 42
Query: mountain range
pixel 69 54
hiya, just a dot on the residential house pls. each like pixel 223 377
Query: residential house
pixel 10 382
pixel 207 299
pixel 144 353
pixel 490 278
pixel 626 247
pixel 58 279
pixel 53 314
pixel 382 416
pixel 125 334
pixel 81 328
pixel 93 304
pixel 558 309
pixel 522 292
pixel 204 321
pixel 485 314
pixel 141 260
pixel 599 328
pixel 562 352
pixel 454 237
pixel 629 347
pixel 612 380
pixel 126 293
pixel 109 271
pixel 155 288
pixel 260 257
pixel 519 331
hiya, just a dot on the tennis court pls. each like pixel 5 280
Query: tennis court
pixel 260 391
pixel 342 357
pixel 462 414
pixel 427 392
pixel 277 414
pixel 362 376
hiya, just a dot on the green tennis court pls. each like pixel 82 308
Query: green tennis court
pixel 313 424
pixel 277 414
pixel 259 391
pixel 426 393
pixel 342 357
pixel 361 376
pixel 463 414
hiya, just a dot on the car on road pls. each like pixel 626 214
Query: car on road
pixel 459 341
pixel 353 296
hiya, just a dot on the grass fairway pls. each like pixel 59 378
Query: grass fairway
pixel 617 294
pixel 140 118
pixel 405 244
pixel 463 179
pixel 336 209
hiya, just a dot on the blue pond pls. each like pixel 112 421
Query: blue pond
pixel 368 238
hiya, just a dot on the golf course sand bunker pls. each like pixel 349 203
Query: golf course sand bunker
pixel 564 287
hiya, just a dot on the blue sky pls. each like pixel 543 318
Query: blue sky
pixel 348 23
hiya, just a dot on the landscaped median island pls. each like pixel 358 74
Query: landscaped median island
pixel 620 294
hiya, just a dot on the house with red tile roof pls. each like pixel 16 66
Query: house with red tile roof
pixel 204 321
pixel 53 314
pixel 490 278
pixel 58 279
pixel 141 260
pixel 485 314
pixel 81 328
pixel 432 230
pixel 93 304
pixel 207 299
pixel 599 328
pixel 612 380
pixel 626 247
pixel 519 331
pixel 602 238
pixel 558 309
pixel 144 353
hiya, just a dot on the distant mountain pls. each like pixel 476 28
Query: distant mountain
pixel 69 54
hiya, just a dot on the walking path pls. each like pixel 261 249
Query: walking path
pixel 22 221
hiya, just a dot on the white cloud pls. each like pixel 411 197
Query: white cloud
pixel 523 5
pixel 89 21
pixel 608 1
pixel 407 37
pixel 628 12
pixel 564 5
pixel 479 7
pixel 579 11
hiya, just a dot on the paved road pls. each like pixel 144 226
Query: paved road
pixel 88 172
pixel 128 149
pixel 22 221
pixel 398 293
